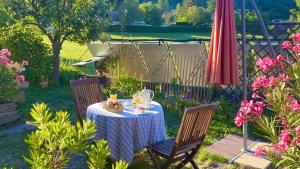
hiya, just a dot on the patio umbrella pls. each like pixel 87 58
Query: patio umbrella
pixel 222 66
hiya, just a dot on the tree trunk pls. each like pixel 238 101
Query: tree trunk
pixel 56 52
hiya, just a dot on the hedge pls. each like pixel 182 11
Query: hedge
pixel 159 29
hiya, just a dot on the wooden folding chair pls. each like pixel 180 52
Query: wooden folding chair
pixel 85 92
pixel 193 128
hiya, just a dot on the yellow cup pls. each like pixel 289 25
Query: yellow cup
pixel 137 100
pixel 113 97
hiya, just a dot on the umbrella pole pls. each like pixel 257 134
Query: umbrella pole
pixel 245 125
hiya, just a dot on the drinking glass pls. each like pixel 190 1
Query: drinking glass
pixel 113 97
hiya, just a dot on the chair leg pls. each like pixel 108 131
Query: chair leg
pixel 166 165
pixel 154 158
pixel 182 163
pixel 190 158
pixel 195 166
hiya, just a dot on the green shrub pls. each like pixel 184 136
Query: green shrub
pixel 55 139
pixel 68 72
pixel 96 154
pixel 152 13
pixel 8 85
pixel 125 85
pixel 26 44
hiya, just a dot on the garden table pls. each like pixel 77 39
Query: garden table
pixel 130 131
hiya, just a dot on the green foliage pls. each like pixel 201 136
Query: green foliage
pixel 197 15
pixel 55 139
pixel 26 44
pixel 60 20
pixel 132 11
pixel 8 85
pixel 152 13
pixel 121 165
pixel 164 5
pixel 68 72
pixel 5 18
pixel 97 155
pixel 268 128
pixel 125 85
pixel 192 14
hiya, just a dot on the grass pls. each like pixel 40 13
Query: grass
pixel 173 36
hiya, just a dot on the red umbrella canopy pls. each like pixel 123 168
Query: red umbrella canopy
pixel 222 66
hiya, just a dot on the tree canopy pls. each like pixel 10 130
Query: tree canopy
pixel 61 20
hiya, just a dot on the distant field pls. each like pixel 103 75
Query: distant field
pixel 76 51
pixel 173 36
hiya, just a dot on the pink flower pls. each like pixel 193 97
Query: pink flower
pixel 280 58
pixel 20 78
pixel 4 60
pixel 284 141
pixel 248 108
pixel 272 81
pixel 297 129
pixel 25 63
pixel 280 148
pixel 239 120
pixel 295 105
pixel 260 82
pixel 283 77
pixel 260 150
pixel 5 52
pixel 266 63
pixel 287 45
pixel 296 48
pixel 255 96
pixel 296 37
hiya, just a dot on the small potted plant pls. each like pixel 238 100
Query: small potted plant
pixel 21 80
pixel 44 82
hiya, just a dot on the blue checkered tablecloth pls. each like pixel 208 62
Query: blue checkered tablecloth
pixel 129 131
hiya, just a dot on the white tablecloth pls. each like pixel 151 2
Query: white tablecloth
pixel 128 132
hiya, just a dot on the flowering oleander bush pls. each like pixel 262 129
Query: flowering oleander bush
pixel 275 107
pixel 26 44
pixel 10 73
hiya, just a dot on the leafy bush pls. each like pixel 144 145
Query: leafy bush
pixel 278 90
pixel 152 13
pixel 10 74
pixel 125 85
pixel 26 44
pixel 96 154
pixel 198 15
pixel 8 85
pixel 68 72
pixel 56 140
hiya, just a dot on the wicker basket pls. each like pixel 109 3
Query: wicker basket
pixel 113 110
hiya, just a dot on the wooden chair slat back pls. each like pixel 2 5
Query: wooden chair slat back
pixel 85 92
pixel 194 125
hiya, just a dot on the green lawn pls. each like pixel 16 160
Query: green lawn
pixel 76 51
pixel 173 36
